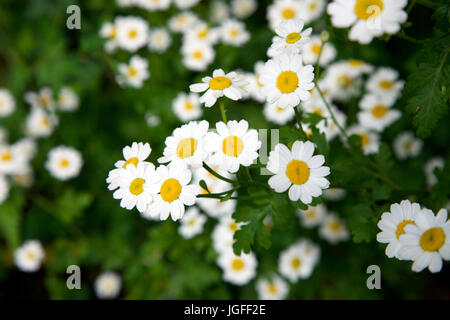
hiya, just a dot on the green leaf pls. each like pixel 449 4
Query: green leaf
pixel 10 219
pixel 361 224
pixel 442 17
pixel 71 204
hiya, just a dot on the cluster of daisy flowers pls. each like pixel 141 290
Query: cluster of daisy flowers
pixel 15 168
pixel 416 234
pixel 133 33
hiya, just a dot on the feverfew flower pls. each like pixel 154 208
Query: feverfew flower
pixel 108 285
pixel 368 18
pixel 197 56
pixel 310 52
pixel 313 216
pixel 187 144
pixel 283 10
pixel 132 33
pixel 233 145
pixel 64 163
pixel 427 241
pixel 254 87
pixel 298 170
pixel 298 261
pixel 278 115
pixel 187 106
pixel 29 256
pixel 407 145
pixel 135 73
pixel 109 32
pixel 7 103
pixel 159 40
pixel 185 4
pixel 153 5
pixel 12 160
pixel 192 223
pixel 272 289
pixel 40 124
pixel 221 84
pixel 334 229
pixel 233 32
pixel 370 141
pixel 223 234
pixel 42 99
pixel 392 225
pixel 68 100
pixel 286 81
pixel 376 113
pixel 182 21
pixel 243 8
pixel 311 10
pixel 341 81
pixel 201 32
pixel 172 189
pixel 430 166
pixel 290 38
pixel 238 270
pixel 334 194
pixel 385 82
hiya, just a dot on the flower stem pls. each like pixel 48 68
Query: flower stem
pixel 298 116
pixel 215 174
pixel 223 111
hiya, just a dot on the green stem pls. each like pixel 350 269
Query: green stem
pixel 215 174
pixel 298 116
pixel 223 111
pixel 217 195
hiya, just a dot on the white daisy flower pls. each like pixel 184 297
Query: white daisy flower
pixel 214 207
pixel 187 107
pixel 109 31
pixel 376 113
pixel 385 82
pixel 430 166
pixel 233 145
pixel 7 103
pixel 185 4
pixel 341 81
pixel 40 124
pixel 286 81
pixel 243 8
pixel 153 5
pixel 334 194
pixel 298 261
pixel 283 10
pixel 173 192
pixel 278 115
pixel 274 288
pixel 26 147
pixel 159 40
pixel 329 127
pixel 223 234
pixel 311 50
pixel 368 18
pixel 108 285
pixel 238 270
pixel 135 186
pixel 135 73
pixel 12 160
pixel 218 12
pixel 427 242
pixel 29 256
pixel 311 10
pixel 407 145
pixel 182 22
pixel 134 154
pixel 298 170
pixel 68 100
pixel 64 163
pixel 370 141
pixel 233 32
pixel 313 216
pixel 132 33
pixel 201 32
pixel 254 87
pixel 42 99
pixel 187 144
pixel 393 223
pixel 152 120
pixel 334 229
pixel 290 38
pixel 197 56
pixel 192 223
pixel 359 67
pixel 4 188
pixel 221 84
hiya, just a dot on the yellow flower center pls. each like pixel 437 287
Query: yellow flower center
pixel 219 83
pixel 386 84
pixel 234 33
pixel 345 81
pixel 191 222
pixel 366 9
pixel 312 6
pixel 293 37
pixel 335 226
pixel 188 106
pixel 297 171
pixel 64 163
pixel 288 13
pixel 132 71
pixel 355 62
pixel 44 100
pixel 31 255
pixel 186 148
pixel 234 226
pixel 45 122
pixel 432 240
pixel 133 160
pixel 316 48
pixel 170 190
pixel 272 288
pixel 7 156
pixel 317 111
pixel 365 139
pixel 295 263
pixel 137 186
pixel 287 81
pixel 379 111
pixel 237 264
pixel 132 34
pixel 232 146
pixel 202 34
pixel 401 227
pixel 257 81
pixel 310 214
pixel 113 33
pixel 198 54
